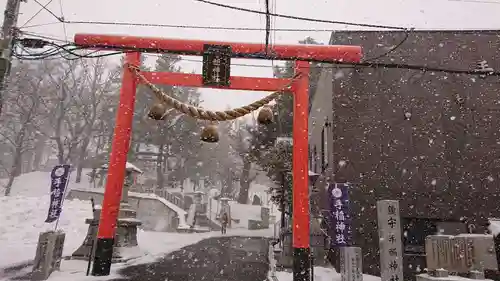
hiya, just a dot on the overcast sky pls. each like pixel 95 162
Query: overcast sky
pixel 421 14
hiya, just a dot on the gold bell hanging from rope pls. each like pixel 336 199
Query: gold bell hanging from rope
pixel 157 111
pixel 210 134
pixel 265 116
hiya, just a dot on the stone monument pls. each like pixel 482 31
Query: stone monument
pixel 125 244
pixel 48 254
pixel 389 232
pixel 351 264
pixel 469 254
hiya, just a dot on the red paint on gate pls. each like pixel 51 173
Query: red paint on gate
pixel 119 151
pixel 300 89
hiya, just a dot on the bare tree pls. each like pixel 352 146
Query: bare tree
pixel 20 121
pixel 82 89
pixel 242 147
pixel 102 87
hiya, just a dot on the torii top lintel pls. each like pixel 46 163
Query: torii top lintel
pixel 325 53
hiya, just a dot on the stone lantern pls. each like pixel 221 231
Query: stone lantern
pixel 126 230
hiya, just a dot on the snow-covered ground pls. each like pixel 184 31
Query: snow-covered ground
pixel 22 217
pixel 323 274
pixel 38 183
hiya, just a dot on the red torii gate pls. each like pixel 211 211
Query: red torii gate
pixel 301 54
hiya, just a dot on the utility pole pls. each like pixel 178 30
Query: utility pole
pixel 9 32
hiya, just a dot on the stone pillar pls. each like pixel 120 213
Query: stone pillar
pixel 351 264
pixel 48 254
pixel 389 232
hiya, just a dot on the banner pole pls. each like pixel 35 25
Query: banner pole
pixel 63 198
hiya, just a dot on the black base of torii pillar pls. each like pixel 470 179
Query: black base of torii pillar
pixel 125 245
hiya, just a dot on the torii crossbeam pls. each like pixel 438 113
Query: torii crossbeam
pixel 301 54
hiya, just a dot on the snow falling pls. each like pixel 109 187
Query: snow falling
pixel 298 142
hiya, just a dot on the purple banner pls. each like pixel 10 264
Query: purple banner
pixel 340 218
pixel 59 180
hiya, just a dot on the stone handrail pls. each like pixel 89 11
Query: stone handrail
pixel 178 201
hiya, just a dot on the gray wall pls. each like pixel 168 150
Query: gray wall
pixel 443 162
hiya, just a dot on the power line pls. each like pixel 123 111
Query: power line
pixel 407 34
pixel 56 52
pixel 41 24
pixel 45 37
pixel 198 26
pixel 62 20
pixel 62 17
pixel 336 64
pixel 378 65
pixel 375 65
pixel 272 25
pixel 37 13
pixel 300 18
pixel 268 25
pixel 275 7
pixel 44 7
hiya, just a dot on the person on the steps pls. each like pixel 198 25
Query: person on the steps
pixel 224 222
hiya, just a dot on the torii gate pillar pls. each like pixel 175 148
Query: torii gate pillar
pixel 302 54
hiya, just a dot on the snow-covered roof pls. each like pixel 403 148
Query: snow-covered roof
pixel 132 167
pixel 129 167
pixel 494 226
